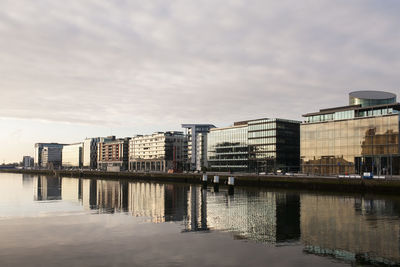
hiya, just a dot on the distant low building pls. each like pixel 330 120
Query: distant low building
pixel 27 162
pixel 113 155
pixel 161 151
pixel 72 155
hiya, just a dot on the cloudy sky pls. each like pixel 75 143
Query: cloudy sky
pixel 80 68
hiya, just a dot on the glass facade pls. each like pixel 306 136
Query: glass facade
pixel 364 102
pixel 264 145
pixel 72 155
pixel 227 149
pixel 274 144
pixel 350 114
pixel 354 145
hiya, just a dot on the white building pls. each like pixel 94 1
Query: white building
pixel 72 155
pixel 161 151
pixel 197 144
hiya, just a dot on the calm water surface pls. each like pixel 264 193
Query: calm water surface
pixel 50 221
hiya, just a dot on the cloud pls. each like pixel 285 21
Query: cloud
pixel 168 62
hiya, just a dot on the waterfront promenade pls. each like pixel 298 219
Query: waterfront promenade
pixel 390 185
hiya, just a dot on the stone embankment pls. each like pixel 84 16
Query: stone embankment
pixel 389 186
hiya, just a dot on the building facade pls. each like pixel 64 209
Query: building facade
pixel 361 137
pixel 197 145
pixel 27 162
pixel 262 145
pixel 51 157
pixel 113 155
pixel 72 155
pixel 38 152
pixel 90 150
pixel 161 151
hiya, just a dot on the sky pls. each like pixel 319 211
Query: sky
pixel 82 68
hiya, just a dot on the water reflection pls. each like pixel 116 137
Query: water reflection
pixel 47 188
pixel 353 229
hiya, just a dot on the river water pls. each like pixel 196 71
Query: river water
pixel 51 221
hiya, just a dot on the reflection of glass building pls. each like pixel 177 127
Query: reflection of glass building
pixel 197 144
pixel 48 188
pixel 351 229
pixel 361 137
pixel 262 216
pixel 263 145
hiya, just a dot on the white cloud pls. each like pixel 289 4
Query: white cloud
pixel 162 63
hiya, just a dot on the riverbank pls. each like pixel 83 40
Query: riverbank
pixel 288 182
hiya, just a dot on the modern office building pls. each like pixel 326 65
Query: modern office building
pixel 90 150
pixel 51 157
pixel 161 151
pixel 113 155
pixel 38 151
pixel 72 155
pixel 197 145
pixel 360 137
pixel 262 145
pixel 27 162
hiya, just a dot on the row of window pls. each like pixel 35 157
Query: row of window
pixel 262 134
pixel 266 140
pixel 264 126
pixel 349 114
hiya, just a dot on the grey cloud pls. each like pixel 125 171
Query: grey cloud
pixel 166 62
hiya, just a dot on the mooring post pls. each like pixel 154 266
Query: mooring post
pixel 204 180
pixel 231 184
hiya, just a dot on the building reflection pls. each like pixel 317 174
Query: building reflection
pixel 147 200
pixel 352 229
pixel 47 188
pixel 27 180
pixel 261 216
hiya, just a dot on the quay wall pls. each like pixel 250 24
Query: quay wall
pixel 387 186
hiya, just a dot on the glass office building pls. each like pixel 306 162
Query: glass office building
pixel 227 149
pixel 262 145
pixel 361 137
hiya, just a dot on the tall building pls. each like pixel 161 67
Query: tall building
pixel 360 137
pixel 161 151
pixel 51 157
pixel 261 145
pixel 90 150
pixel 27 162
pixel 113 155
pixel 72 155
pixel 197 145
pixel 38 151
